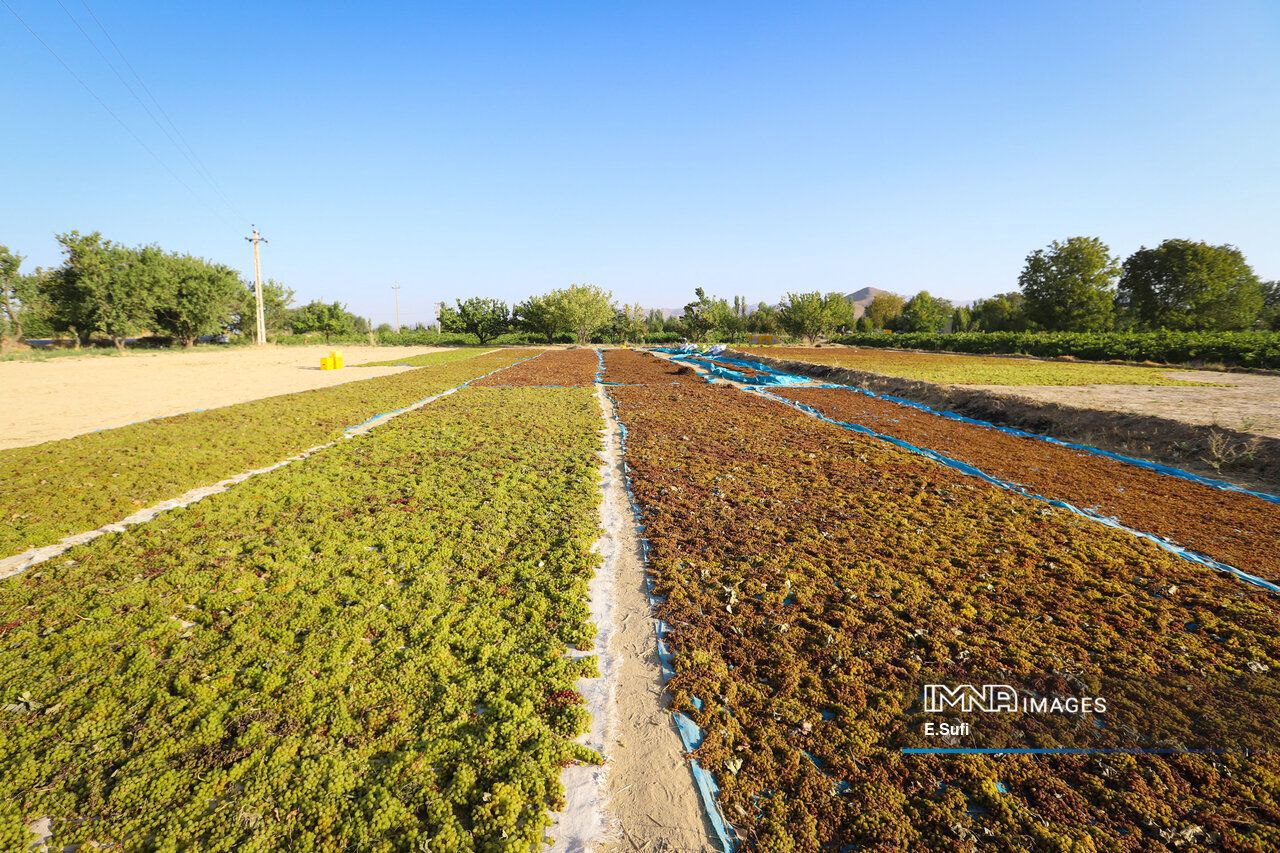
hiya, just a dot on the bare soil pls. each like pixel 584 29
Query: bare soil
pixel 60 398
pixel 1245 402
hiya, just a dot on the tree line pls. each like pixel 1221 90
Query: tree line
pixel 117 292
pixel 1078 285
pixel 111 291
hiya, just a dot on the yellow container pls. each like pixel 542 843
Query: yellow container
pixel 326 363
pixel 335 357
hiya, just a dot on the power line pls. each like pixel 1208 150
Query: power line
pixel 112 112
pixel 185 146
pixel 143 104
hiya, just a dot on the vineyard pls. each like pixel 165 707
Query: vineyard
pixel 390 635
pixel 1234 349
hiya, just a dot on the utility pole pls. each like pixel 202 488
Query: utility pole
pixel 261 336
pixel 396 288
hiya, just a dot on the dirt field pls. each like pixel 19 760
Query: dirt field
pixel 59 398
pixel 1248 402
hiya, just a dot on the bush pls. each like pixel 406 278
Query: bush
pixel 1237 349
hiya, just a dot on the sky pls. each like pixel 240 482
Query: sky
pixel 504 149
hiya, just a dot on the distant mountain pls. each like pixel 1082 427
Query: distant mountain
pixel 862 298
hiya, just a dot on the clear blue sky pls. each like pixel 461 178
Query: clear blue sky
pixel 753 148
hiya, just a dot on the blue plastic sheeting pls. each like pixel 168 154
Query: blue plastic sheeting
pixel 689 731
pixel 769 376
pixel 1097 451
pixel 1185 553
pixel 391 414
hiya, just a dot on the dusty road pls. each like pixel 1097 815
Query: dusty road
pixel 62 397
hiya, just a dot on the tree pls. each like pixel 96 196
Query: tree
pixel 277 308
pixel 542 315
pixel 484 318
pixel 884 309
pixel 1269 317
pixel 805 315
pixel 923 313
pixel 10 296
pixel 103 287
pixel 705 315
pixel 840 313
pixel 587 309
pixel 764 320
pixel 1004 312
pixel 327 318
pixel 1189 286
pixel 196 297
pixel 961 319
pixel 630 323
pixel 1070 286
pixel 656 321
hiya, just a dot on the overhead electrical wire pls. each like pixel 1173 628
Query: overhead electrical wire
pixel 181 143
pixel 204 202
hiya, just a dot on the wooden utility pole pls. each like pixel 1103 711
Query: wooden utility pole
pixel 396 288
pixel 261 337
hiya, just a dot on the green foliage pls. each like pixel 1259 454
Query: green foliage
pixel 1004 312
pixel 710 317
pixel 1070 286
pixel 586 309
pixel 1269 316
pixel 104 287
pixel 104 476
pixel 952 369
pixel 884 309
pixel 331 319
pixel 1233 349
pixel 366 650
pixel 484 318
pixel 1189 286
pixel 543 316
pixel 805 315
pixel 764 320
pixel 277 308
pixel 11 288
pixel 923 313
pixel 195 297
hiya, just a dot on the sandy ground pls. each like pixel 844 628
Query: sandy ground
pixel 1250 402
pixel 651 801
pixel 63 397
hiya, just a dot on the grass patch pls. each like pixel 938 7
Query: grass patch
pixel 429 359
pixel 76 484
pixel 365 650
pixel 949 369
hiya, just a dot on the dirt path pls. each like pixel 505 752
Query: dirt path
pixel 652 804
pixel 63 397
pixel 1248 402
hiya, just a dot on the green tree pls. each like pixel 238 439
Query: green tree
pixel 656 321
pixel 961 319
pixel 1189 286
pixel 884 309
pixel 328 318
pixel 587 309
pixel 103 287
pixel 764 320
pixel 484 318
pixel 542 315
pixel 840 313
pixel 700 316
pixel 805 315
pixel 11 301
pixel 277 308
pixel 1070 287
pixel 196 297
pixel 923 313
pixel 1004 312
pixel 630 324
pixel 1269 316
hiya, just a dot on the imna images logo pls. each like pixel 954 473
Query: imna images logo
pixel 1002 698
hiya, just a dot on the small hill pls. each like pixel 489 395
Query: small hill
pixel 862 298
